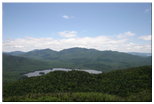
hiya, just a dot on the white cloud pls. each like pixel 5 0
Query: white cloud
pixel 98 42
pixel 67 34
pixel 67 17
pixel 145 37
pixel 126 35
pixel 18 46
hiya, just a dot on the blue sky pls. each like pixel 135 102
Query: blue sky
pixel 65 23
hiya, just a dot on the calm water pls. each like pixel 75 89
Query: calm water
pixel 41 72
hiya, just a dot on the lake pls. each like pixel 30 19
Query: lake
pixel 42 72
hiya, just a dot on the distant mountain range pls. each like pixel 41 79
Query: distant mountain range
pixel 71 58
pixel 15 53
pixel 140 54
pixel 49 51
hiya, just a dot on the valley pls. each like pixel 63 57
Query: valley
pixel 76 51
pixel 76 74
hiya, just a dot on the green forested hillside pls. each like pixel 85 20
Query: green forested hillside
pixel 23 62
pixel 89 58
pixel 45 54
pixel 14 67
pixel 102 60
pixel 133 84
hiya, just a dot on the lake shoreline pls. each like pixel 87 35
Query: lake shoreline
pixel 45 71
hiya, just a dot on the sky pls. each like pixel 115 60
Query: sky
pixel 124 27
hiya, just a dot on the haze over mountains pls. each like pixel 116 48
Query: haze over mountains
pixel 140 54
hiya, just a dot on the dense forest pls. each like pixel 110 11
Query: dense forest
pixel 116 83
pixel 14 67
pixel 134 84
pixel 17 63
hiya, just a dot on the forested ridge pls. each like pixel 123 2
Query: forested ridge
pixel 87 58
pixel 134 84
pixel 16 63
pixel 116 83
pixel 14 67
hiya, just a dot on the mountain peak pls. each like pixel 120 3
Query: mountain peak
pixel 78 49
pixel 42 50
pixel 47 49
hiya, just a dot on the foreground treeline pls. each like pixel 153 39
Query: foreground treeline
pixel 133 84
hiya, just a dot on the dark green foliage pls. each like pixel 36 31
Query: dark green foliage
pixel 89 58
pixel 121 85
pixel 71 97
pixel 133 84
pixel 14 67
pixel 45 54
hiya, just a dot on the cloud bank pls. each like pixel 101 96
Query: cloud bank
pixel 126 35
pixel 98 42
pixel 145 37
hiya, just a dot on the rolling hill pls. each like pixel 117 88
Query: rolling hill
pixel 45 54
pixel 82 58
pixel 89 58
pixel 140 54
pixel 14 66
pixel 134 84
pixel 15 53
